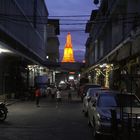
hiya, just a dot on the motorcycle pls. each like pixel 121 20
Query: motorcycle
pixel 3 112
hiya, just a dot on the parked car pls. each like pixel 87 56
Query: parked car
pixel 85 87
pixel 91 92
pixel 99 111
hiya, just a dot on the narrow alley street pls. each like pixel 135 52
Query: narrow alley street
pixel 50 121
pixel 90 48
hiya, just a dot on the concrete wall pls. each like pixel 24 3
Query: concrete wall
pixel 17 21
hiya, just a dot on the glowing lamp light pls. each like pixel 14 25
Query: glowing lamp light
pixel 83 61
pixel 71 72
pixel 4 50
pixel 103 65
pixel 47 57
pixel 71 77
pixel 62 82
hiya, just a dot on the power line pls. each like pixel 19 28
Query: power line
pixel 14 15
pixel 73 30
pixel 74 20
pixel 41 30
pixel 102 20
pixel 67 16
pixel 72 16
pixel 62 30
pixel 132 18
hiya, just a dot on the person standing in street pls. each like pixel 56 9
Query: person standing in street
pixel 58 95
pixel 48 92
pixel 70 94
pixel 53 92
pixel 37 96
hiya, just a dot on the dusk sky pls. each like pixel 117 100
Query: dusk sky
pixel 80 11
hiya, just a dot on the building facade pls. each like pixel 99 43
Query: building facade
pixel 52 40
pixel 114 45
pixel 23 36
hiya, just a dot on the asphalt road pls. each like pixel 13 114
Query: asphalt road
pixel 50 121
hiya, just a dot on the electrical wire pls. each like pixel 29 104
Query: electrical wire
pixel 29 16
pixel 131 18
pixel 103 20
pixel 62 30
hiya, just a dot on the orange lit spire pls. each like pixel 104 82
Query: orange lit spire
pixel 68 50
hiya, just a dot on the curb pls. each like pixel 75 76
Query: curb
pixel 8 103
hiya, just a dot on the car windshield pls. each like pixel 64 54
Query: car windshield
pixel 106 100
pixel 91 91
pixel 90 86
pixel 125 100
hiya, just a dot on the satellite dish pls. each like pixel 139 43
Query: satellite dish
pixel 96 1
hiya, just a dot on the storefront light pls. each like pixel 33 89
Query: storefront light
pixel 47 57
pixel 79 75
pixel 71 77
pixel 89 77
pixel 103 65
pixel 4 51
pixel 62 82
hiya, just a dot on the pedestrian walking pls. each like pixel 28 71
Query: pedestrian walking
pixel 58 95
pixel 70 94
pixel 37 96
pixel 48 92
pixel 53 92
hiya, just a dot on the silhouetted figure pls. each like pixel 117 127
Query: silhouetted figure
pixel 58 95
pixel 70 94
pixel 37 96
pixel 53 92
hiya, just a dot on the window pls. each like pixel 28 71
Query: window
pixel 126 100
pixel 107 101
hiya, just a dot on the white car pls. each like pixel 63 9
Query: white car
pixel 91 92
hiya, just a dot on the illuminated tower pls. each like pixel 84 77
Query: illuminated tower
pixel 68 50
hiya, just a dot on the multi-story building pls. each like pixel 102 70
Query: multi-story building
pixel 114 39
pixel 52 56
pixel 23 36
pixel 52 40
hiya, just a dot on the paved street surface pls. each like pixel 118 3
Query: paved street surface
pixel 50 121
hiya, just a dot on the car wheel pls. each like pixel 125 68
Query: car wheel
pixel 3 114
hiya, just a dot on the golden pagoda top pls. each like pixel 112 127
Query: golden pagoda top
pixel 68 50
pixel 68 41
